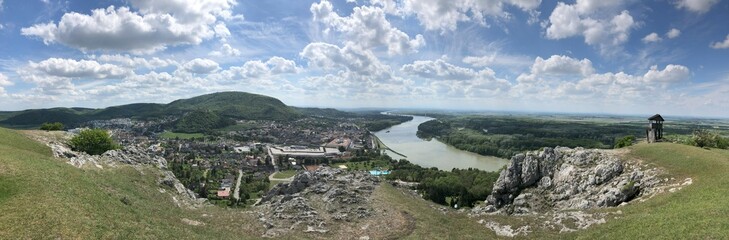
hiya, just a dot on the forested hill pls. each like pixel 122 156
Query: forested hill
pixel 234 105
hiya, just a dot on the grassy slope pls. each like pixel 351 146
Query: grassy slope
pixel 41 197
pixel 698 211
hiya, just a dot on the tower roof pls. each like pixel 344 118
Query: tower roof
pixel 656 117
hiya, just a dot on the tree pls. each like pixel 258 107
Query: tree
pixel 342 148
pixel 93 141
pixel 625 141
pixel 56 126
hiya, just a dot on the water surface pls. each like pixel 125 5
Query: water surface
pixel 402 138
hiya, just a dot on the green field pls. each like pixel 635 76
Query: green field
pixel 172 135
pixel 284 174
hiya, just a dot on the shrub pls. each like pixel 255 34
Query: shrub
pixel 625 141
pixel 703 138
pixel 93 141
pixel 56 126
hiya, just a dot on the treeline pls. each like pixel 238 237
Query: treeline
pixel 457 188
pixel 378 122
pixel 507 136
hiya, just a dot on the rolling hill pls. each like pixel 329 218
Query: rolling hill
pixel 235 105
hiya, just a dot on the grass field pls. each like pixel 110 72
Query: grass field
pixel 284 174
pixel 171 135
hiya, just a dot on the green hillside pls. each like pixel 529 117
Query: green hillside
pixel 44 198
pixel 236 105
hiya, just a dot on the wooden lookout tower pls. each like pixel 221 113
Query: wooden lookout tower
pixel 654 132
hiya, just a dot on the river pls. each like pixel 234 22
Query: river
pixel 402 138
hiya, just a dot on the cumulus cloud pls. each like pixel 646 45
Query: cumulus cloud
pixel 670 74
pixel 452 80
pixel 226 50
pixel 697 6
pixel 652 37
pixel 588 19
pixel 368 27
pixel 562 65
pixel 673 33
pixel 158 24
pixel 721 45
pixel 69 68
pixel 201 66
pixel 350 58
pixel 273 66
pixel 444 15
pixel 586 84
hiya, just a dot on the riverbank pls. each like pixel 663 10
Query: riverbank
pixel 432 153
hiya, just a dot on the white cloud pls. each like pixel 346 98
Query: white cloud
pixel 368 27
pixel 721 45
pixel 670 74
pixel 69 68
pixel 189 11
pixel 497 59
pixel 673 33
pixel 222 31
pixel 158 24
pixel 591 19
pixel 589 87
pixel 450 80
pixel 134 62
pixel 562 65
pixel 4 81
pixel 697 6
pixel 652 37
pixel 258 69
pixel 444 15
pixel 201 66
pixel 226 50
pixel 350 58
pixel 438 69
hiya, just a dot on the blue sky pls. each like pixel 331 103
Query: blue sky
pixel 620 57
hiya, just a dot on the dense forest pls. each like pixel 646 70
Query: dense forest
pixel 457 188
pixel 506 136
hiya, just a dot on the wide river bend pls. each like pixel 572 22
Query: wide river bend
pixel 402 138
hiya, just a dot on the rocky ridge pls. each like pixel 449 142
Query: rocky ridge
pixel 314 201
pixel 132 155
pixel 556 185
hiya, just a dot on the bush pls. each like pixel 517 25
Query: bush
pixel 625 141
pixel 703 138
pixel 93 141
pixel 56 126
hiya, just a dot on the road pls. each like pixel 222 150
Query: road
pixel 236 193
pixel 273 160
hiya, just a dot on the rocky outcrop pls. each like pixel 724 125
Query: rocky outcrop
pixel 136 156
pixel 563 178
pixel 315 200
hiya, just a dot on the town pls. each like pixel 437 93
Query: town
pixel 235 166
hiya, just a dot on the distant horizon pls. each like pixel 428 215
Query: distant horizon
pixel 434 110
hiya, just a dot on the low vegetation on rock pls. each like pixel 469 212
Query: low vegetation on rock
pixel 93 141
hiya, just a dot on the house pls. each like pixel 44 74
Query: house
pixel 224 193
pixel 654 132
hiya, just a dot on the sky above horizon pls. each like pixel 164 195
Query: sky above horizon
pixel 616 57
